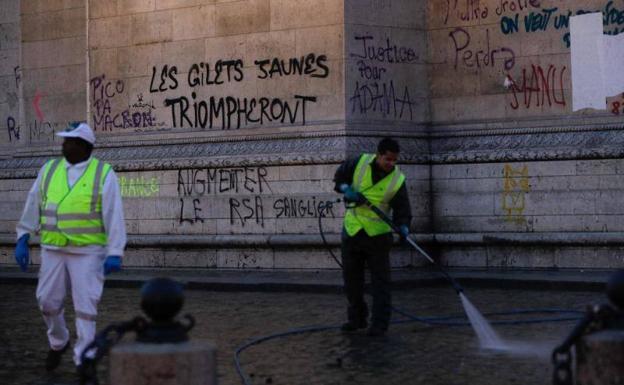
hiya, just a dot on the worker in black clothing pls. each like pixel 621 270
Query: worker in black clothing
pixel 366 238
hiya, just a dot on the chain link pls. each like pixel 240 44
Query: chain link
pixel 563 367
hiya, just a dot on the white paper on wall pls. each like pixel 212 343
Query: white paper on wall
pixel 588 90
pixel 613 64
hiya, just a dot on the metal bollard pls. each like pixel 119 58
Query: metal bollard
pixel 600 355
pixel 600 358
pixel 599 343
pixel 162 353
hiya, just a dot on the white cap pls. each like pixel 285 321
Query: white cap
pixel 82 131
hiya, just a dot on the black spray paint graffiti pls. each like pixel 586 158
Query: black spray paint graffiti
pixel 105 119
pixel 374 93
pixel 252 209
pixel 313 65
pixel 18 76
pixel 13 129
pixel 470 56
pixel 381 97
pixel 193 184
pixel 200 182
pixel 37 130
pixel 231 112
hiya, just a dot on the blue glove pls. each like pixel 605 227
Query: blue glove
pixel 112 264
pixel 350 195
pixel 404 231
pixel 22 256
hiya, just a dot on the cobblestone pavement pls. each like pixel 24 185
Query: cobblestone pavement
pixel 411 353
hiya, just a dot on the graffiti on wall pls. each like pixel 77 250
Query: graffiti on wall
pixel 106 94
pixel 230 111
pixel 139 187
pixel 515 188
pixel 375 90
pixel 553 18
pixel 250 200
pixel 537 87
pixel 617 105
pixel 481 54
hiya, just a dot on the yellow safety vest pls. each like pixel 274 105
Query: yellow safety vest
pixel 72 216
pixel 379 194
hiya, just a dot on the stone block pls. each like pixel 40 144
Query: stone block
pixel 110 32
pixel 245 220
pixel 9 11
pixel 102 9
pixel 58 109
pixel 401 14
pixel 10 33
pixel 194 22
pixel 324 40
pixel 292 14
pixel 171 4
pixel 53 25
pixel 249 16
pixel 232 47
pixel 517 257
pixel 463 257
pixel 54 80
pixel 191 363
pixel 135 6
pixel 191 258
pixel 104 61
pixel 41 6
pixel 270 45
pixel 144 257
pixel 137 61
pixel 304 259
pixel 8 61
pixel 153 27
pixel 596 167
pixel 465 205
pixel 245 258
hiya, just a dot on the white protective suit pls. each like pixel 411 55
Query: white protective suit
pixel 80 269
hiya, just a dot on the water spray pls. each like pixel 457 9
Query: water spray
pixel 486 334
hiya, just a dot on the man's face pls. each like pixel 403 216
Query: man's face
pixel 74 150
pixel 387 160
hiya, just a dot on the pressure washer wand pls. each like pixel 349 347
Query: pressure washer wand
pixel 394 227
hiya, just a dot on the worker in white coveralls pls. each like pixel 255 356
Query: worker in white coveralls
pixel 75 205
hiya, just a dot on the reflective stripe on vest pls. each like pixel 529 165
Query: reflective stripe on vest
pixel 72 216
pixel 379 194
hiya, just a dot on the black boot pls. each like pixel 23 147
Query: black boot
pixel 357 319
pixel 53 360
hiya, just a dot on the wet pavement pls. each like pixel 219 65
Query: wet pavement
pixel 410 353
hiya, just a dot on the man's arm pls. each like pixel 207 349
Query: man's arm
pixel 401 209
pixel 29 221
pixel 344 173
pixel 112 214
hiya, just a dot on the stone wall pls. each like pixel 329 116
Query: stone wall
pixel 519 179
pixel 225 121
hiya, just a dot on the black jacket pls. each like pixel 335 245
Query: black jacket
pixel 401 210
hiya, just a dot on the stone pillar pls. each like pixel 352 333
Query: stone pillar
pixel 187 363
pixel 600 358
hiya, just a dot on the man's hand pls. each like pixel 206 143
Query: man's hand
pixel 22 255
pixel 350 195
pixel 404 231
pixel 112 264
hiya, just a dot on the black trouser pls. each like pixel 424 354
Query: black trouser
pixel 357 252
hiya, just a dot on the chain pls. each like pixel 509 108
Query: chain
pixel 563 367
pixel 100 346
